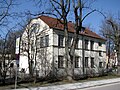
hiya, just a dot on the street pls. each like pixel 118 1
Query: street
pixel 115 86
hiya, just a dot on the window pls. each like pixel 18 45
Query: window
pixel 38 42
pixel 32 45
pixel 99 43
pixel 100 53
pixel 92 62
pixel 17 56
pixel 86 44
pixel 69 41
pixel 60 62
pixel 0 64
pixel 60 40
pixel 100 64
pixel 76 62
pixel 41 42
pixel 12 65
pixel 44 41
pixel 24 46
pixel 23 70
pixel 91 45
pixel 47 41
pixel 35 27
pixel 77 43
pixel 86 62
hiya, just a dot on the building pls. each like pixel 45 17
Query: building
pixel 44 39
pixel 7 65
pixel 111 60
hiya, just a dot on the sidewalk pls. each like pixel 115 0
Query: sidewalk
pixel 74 86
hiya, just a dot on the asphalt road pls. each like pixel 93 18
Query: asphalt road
pixel 115 86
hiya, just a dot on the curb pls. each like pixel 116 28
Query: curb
pixel 74 86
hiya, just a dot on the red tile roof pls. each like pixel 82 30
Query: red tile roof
pixel 55 23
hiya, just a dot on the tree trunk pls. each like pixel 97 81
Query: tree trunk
pixel 118 54
pixel 118 59
pixel 69 70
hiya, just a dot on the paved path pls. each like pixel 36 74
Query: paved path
pixel 113 86
pixel 74 86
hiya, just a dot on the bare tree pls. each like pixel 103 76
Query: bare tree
pixel 110 29
pixel 28 44
pixel 64 6
pixel 62 9
pixel 78 9
pixel 5 6
pixel 7 54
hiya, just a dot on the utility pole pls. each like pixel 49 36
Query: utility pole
pixel 83 52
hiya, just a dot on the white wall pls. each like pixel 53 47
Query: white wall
pixel 51 53
pixel 48 52
pixel 78 52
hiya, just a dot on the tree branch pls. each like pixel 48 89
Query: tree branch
pixel 88 14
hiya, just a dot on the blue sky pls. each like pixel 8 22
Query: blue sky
pixel 94 20
pixel 106 6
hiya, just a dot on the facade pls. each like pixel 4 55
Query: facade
pixel 112 60
pixel 44 40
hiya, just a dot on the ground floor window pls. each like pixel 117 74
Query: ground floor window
pixel 0 64
pixel 12 65
pixel 86 62
pixel 100 64
pixel 60 62
pixel 76 62
pixel 92 62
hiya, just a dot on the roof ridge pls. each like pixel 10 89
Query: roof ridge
pixel 54 23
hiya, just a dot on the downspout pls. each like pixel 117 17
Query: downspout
pixel 53 66
pixel 83 54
